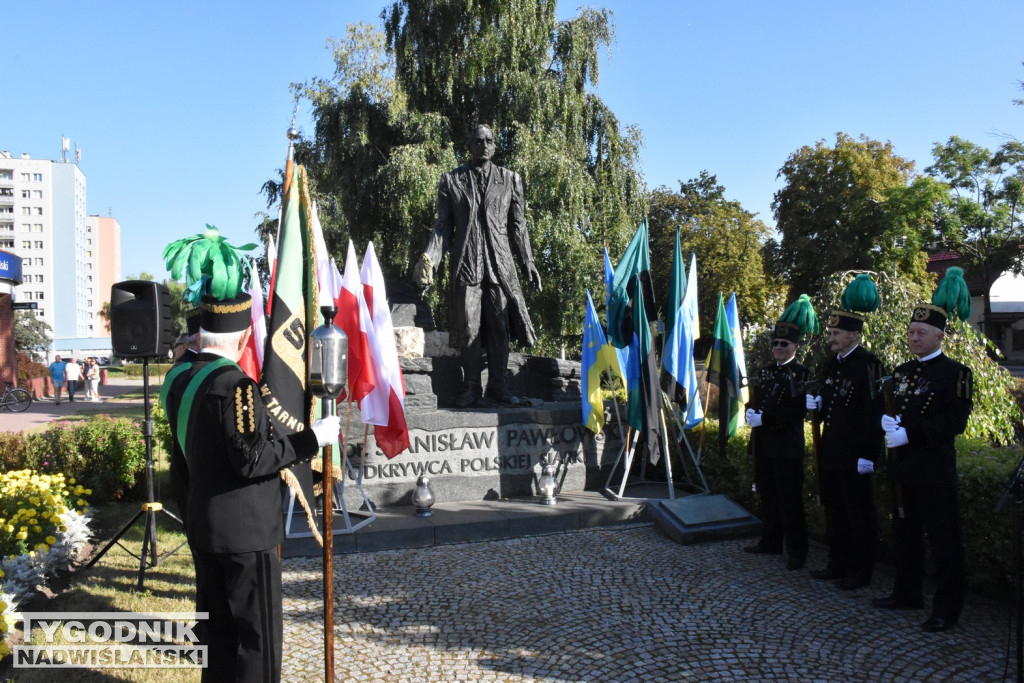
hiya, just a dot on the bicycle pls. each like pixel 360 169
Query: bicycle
pixel 15 400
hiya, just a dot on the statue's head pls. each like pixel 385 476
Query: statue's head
pixel 481 143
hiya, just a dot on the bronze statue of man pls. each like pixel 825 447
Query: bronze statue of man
pixel 481 219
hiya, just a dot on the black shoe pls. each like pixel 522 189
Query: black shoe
pixel 794 563
pixel 898 602
pixel 852 584
pixel 825 574
pixel 937 624
pixel 758 549
pixel 58 402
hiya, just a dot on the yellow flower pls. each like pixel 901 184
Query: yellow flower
pixel 51 540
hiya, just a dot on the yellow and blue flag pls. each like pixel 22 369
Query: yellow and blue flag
pixel 597 355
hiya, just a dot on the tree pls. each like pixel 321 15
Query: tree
pixel 387 128
pixel 725 238
pixel 32 335
pixel 981 219
pixel 856 205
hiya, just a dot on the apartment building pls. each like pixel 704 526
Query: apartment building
pixel 69 259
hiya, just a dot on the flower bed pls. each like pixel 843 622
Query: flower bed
pixel 43 526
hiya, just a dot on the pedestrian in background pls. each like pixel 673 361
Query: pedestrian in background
pixel 72 373
pixel 57 377
pixel 92 380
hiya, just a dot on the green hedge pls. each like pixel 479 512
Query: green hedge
pixel 983 471
pixel 108 455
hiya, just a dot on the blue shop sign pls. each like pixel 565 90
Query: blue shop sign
pixel 10 268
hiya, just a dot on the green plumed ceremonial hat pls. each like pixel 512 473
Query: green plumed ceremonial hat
pixel 798 319
pixel 859 297
pixel 951 297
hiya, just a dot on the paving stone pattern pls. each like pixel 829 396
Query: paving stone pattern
pixel 617 604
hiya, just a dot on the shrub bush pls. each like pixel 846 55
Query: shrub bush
pixel 29 369
pixel 108 454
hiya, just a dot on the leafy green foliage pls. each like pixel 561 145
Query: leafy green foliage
pixel 726 239
pixel 32 335
pixel 856 205
pixel 397 113
pixel 980 219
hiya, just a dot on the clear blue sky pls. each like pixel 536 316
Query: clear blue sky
pixel 181 109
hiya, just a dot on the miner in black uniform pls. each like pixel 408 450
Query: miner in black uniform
pixel 777 440
pixel 233 506
pixel 851 442
pixel 933 399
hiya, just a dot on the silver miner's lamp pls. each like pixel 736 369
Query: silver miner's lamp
pixel 423 497
pixel 547 484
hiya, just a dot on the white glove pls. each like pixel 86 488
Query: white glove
pixel 890 423
pixel 865 466
pixel 753 417
pixel 326 430
pixel 813 402
pixel 896 438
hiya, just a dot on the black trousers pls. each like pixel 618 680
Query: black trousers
pixel 242 593
pixel 780 483
pixel 850 523
pixel 935 511
pixel 482 312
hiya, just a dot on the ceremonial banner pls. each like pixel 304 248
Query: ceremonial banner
pixel 388 395
pixel 293 302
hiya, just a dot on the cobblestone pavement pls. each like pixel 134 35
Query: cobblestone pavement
pixel 617 604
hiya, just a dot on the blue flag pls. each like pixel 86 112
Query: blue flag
pixel 678 359
pixel 597 355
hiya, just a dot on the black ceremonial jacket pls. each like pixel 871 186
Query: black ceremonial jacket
pixel 234 493
pixel 780 397
pixel 851 411
pixel 933 399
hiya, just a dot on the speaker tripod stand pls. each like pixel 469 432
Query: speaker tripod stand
pixel 150 508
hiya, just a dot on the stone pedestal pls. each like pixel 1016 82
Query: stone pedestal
pixel 486 453
pixel 490 454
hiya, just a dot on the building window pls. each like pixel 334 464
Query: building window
pixel 39 296
pixel 25 194
pixel 25 177
pixel 26 211
pixel 39 261
pixel 6 191
pixel 6 227
pixel 38 194
pixel 26 244
pixel 37 177
pixel 38 211
pixel 25 227
pixel 6 174
pixel 39 278
pixel 40 312
pixel 7 209
pixel 39 244
pixel 37 227
pixel 6 244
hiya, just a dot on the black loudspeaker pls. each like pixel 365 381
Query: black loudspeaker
pixel 140 319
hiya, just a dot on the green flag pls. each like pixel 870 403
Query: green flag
pixel 722 372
